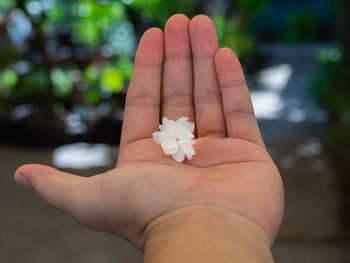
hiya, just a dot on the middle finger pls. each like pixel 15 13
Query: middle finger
pixel 177 86
pixel 208 103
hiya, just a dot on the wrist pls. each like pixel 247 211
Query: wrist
pixel 203 234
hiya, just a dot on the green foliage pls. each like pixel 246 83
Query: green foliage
pixel 85 44
pixel 91 19
pixel 9 77
pixel 332 91
pixel 230 35
pixel 63 84
pixel 329 85
pixel 234 31
pixel 251 7
pixel 91 74
pixel 157 12
pixel 53 49
pixel 301 28
pixel 93 97
pixel 111 79
pixel 5 5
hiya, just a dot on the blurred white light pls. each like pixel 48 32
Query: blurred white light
pixel 267 104
pixel 48 4
pixel 309 149
pixel 334 55
pixel 84 9
pixel 34 7
pixel 22 111
pixel 74 125
pixel 275 78
pixel 127 2
pixel 19 27
pixel 319 115
pixel 315 148
pixel 296 115
pixel 106 51
pixel 22 67
pixel 122 39
pixel 287 162
pixel 82 156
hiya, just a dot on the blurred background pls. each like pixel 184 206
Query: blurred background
pixel 64 71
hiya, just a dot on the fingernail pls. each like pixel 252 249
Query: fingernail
pixel 22 180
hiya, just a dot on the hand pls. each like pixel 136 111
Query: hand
pixel 231 170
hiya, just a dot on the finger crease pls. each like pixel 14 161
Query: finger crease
pixel 239 114
pixel 214 133
pixel 232 83
pixel 141 64
pixel 178 99
pixel 201 57
pixel 208 97
pixel 175 57
pixel 143 100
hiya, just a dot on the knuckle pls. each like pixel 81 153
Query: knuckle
pixel 177 57
pixel 240 113
pixel 212 96
pixel 232 83
pixel 142 64
pixel 142 100
pixel 178 99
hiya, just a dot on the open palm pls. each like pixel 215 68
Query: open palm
pixel 231 169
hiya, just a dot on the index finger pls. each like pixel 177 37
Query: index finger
pixel 142 106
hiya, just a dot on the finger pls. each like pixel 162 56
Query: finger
pixel 208 103
pixel 177 89
pixel 60 190
pixel 98 202
pixel 238 110
pixel 141 117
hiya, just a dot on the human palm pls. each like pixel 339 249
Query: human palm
pixel 231 169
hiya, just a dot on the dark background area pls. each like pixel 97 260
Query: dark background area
pixel 64 72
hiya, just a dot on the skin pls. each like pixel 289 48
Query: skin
pixel 231 175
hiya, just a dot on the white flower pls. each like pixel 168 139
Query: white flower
pixel 176 138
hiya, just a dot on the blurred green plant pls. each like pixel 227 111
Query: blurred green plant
pixel 52 49
pixel 156 12
pixel 9 78
pixel 301 27
pixel 5 5
pixel 331 86
pixel 68 53
pixel 235 29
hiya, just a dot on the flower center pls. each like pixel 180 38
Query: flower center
pixel 177 139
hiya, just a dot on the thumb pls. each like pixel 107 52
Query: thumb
pixel 58 189
pixel 102 202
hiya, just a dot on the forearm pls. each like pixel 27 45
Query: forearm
pixel 204 234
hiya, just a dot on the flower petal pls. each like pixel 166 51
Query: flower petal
pixel 170 146
pixel 160 136
pixel 176 138
pixel 179 156
pixel 183 126
pixel 185 140
pixel 190 126
pixel 168 125
pixel 185 137
pixel 182 120
pixel 188 150
pixel 162 126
